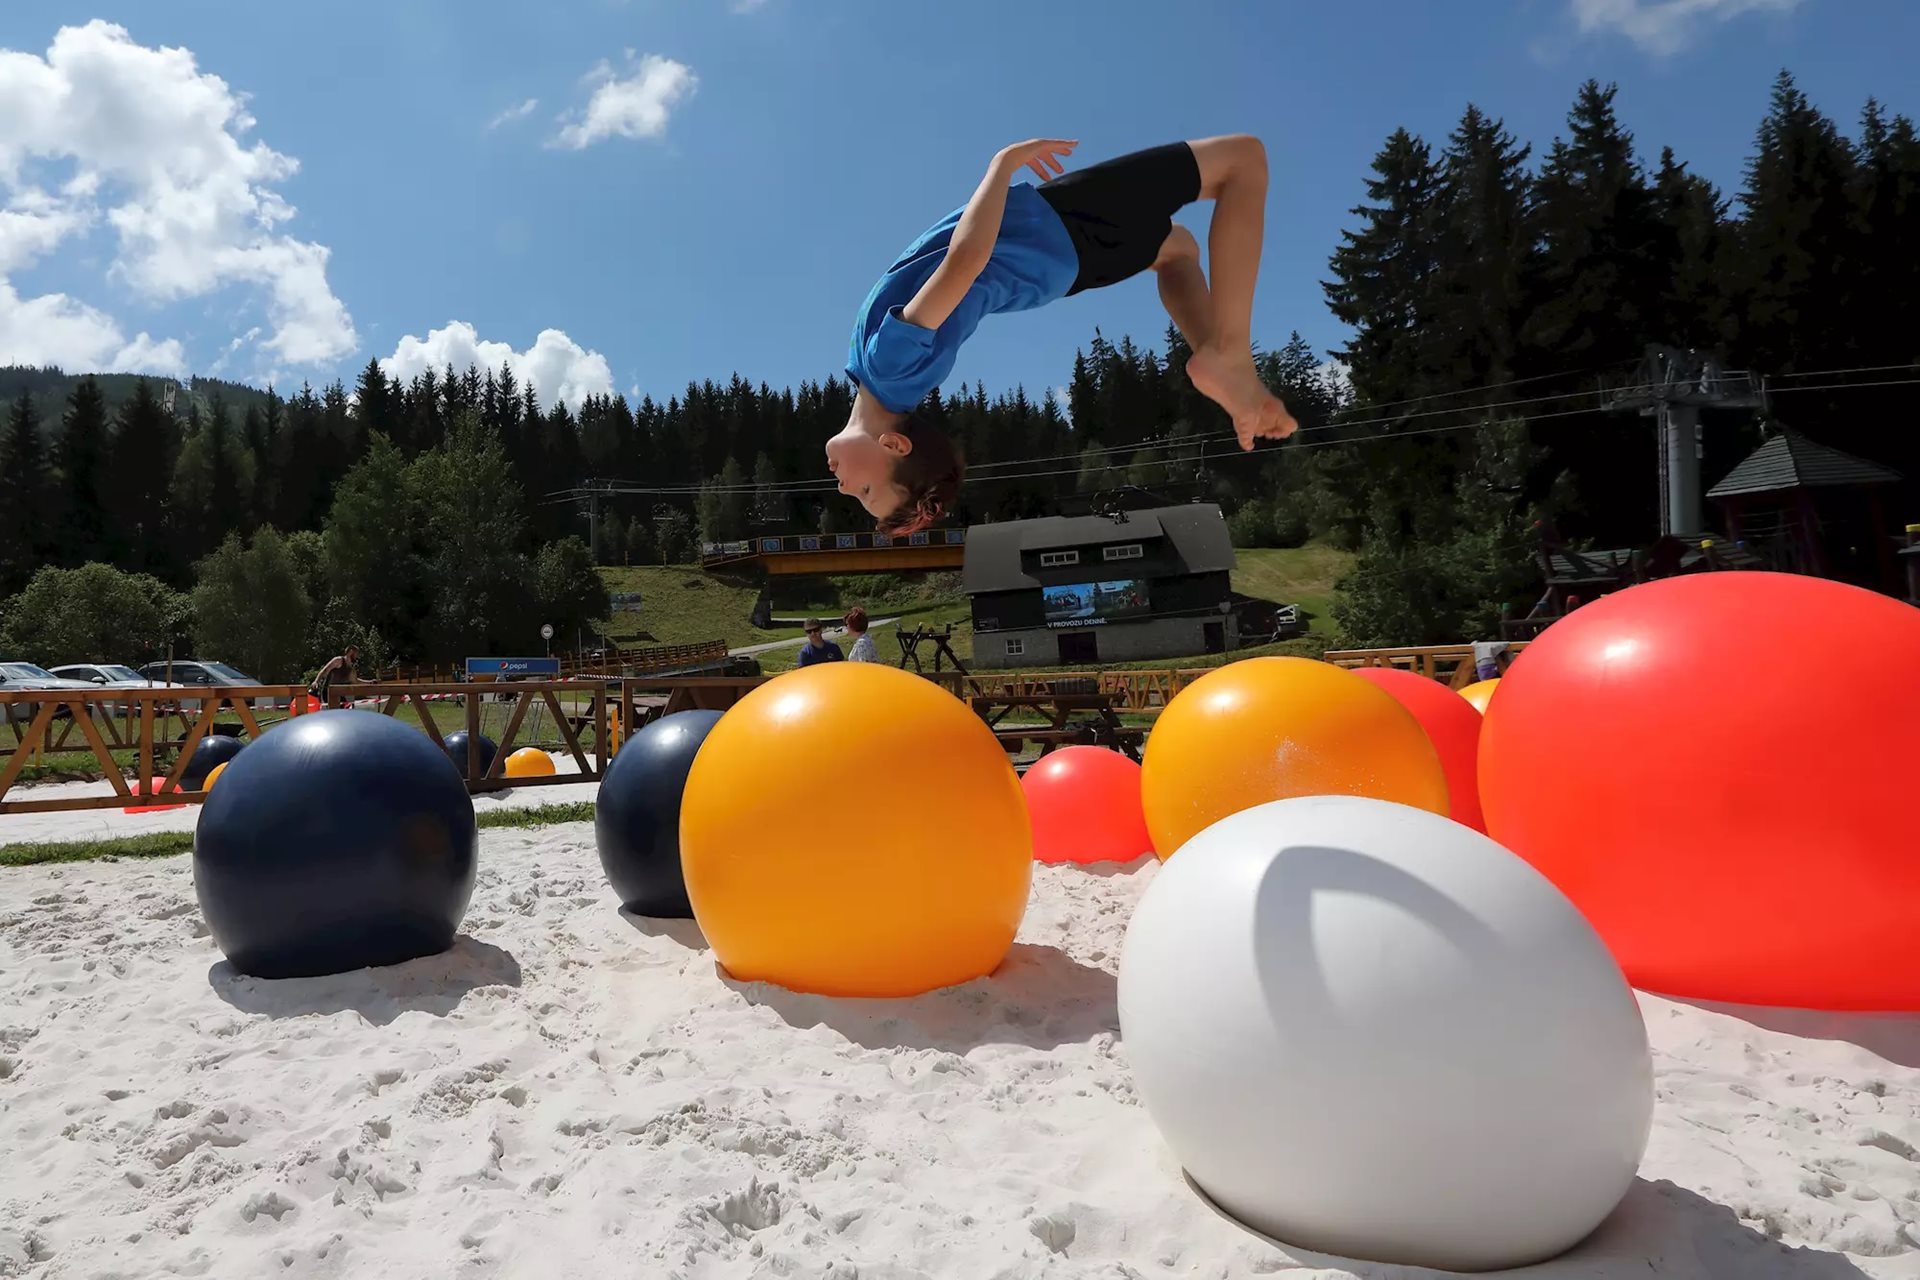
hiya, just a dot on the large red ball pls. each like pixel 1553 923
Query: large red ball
pixel 1717 769
pixel 1085 806
pixel 1452 723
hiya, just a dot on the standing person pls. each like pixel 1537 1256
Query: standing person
pixel 818 648
pixel 863 650
pixel 1018 247
pixel 340 668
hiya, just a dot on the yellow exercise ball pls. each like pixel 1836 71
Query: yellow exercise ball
pixel 1481 694
pixel 214 775
pixel 530 762
pixel 849 829
pixel 1266 729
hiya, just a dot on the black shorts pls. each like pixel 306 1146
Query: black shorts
pixel 1120 211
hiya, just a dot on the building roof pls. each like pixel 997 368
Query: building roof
pixel 1198 533
pixel 1791 461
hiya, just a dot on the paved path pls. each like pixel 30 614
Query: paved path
pixel 832 633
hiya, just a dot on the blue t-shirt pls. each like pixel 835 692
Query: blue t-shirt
pixel 827 652
pixel 1033 263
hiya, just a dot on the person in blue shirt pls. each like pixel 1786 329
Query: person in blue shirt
pixel 818 648
pixel 1018 247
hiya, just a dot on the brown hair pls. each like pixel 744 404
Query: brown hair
pixel 930 474
pixel 856 619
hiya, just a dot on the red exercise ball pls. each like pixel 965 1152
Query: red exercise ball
pixel 1451 722
pixel 1085 806
pixel 1735 820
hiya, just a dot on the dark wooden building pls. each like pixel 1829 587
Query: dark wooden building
pixel 1809 508
pixel 1079 589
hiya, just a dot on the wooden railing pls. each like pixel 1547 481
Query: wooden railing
pixel 134 728
pixel 1144 692
pixel 611 663
pixel 1450 664
pixel 590 717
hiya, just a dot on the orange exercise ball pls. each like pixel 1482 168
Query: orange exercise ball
pixel 1738 824
pixel 530 762
pixel 1266 729
pixel 1481 694
pixel 851 829
pixel 1453 726
pixel 213 775
pixel 1085 806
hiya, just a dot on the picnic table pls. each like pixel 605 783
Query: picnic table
pixel 1066 719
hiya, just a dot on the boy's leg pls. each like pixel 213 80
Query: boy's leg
pixel 1183 287
pixel 1233 174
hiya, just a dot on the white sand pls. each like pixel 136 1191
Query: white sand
pixel 570 1092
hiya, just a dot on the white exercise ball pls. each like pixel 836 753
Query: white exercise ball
pixel 1368 1030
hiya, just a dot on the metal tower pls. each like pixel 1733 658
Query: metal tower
pixel 1671 387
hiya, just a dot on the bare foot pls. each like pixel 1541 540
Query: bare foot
pixel 1230 381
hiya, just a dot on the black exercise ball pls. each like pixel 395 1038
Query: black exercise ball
pixel 457 752
pixel 338 841
pixel 209 754
pixel 636 817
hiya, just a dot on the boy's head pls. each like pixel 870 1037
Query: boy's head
pixel 905 473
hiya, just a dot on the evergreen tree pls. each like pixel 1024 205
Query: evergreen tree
pixel 1383 284
pixel 1603 265
pixel 139 474
pixel 81 457
pixel 1486 247
pixel 376 408
pixel 26 495
pixel 1799 251
pixel 1692 215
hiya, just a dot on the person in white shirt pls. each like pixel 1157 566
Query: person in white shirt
pixel 862 650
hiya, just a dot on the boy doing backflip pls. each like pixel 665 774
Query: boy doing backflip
pixel 1015 248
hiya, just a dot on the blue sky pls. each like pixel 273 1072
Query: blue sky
pixel 705 186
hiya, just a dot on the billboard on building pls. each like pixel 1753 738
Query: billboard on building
pixel 1093 604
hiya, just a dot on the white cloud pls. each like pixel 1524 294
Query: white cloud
pixel 54 329
pixel 512 114
pixel 632 106
pixel 1663 27
pixel 1064 398
pixel 157 147
pixel 746 6
pixel 558 367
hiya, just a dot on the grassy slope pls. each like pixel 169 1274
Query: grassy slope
pixel 1304 576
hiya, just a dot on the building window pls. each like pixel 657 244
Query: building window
pixel 1016 648
pixel 1054 559
pixel 1125 551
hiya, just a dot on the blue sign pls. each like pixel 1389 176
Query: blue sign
pixel 503 667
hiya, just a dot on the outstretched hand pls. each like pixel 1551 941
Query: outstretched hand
pixel 1042 155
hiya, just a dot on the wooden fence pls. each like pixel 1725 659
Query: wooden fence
pixel 590 715
pixel 611 664
pixel 1450 664
pixel 1144 692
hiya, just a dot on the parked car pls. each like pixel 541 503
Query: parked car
pixel 198 673
pixel 24 677
pixel 111 675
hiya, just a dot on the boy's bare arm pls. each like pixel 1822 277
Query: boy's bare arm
pixel 978 229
